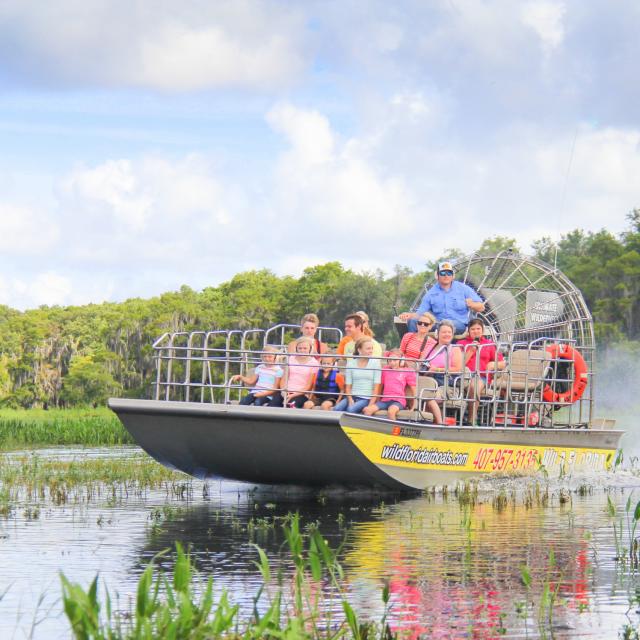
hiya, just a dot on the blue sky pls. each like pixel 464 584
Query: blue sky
pixel 147 145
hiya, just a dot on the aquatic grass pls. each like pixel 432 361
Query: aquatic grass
pixel 625 547
pixel 549 595
pixel 35 478
pixel 183 605
pixel 53 427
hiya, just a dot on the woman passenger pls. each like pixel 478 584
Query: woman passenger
pixel 417 345
pixel 444 361
pixel 481 357
pixel 362 379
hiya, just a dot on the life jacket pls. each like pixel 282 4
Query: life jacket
pixel 328 384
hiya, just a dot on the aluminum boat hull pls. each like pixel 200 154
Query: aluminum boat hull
pixel 318 448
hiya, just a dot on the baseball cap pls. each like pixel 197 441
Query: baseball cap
pixel 445 266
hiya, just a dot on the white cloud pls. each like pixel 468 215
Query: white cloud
pixel 170 46
pixel 24 231
pixel 50 288
pixel 111 189
pixel 144 225
pixel 389 205
pixel 33 288
pixel 145 195
pixel 546 19
pixel 325 184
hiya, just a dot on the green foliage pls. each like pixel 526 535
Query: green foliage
pixel 83 426
pixel 184 606
pixel 607 271
pixel 67 356
pixel 88 382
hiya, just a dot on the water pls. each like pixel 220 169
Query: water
pixel 453 570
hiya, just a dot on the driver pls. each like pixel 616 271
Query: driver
pixel 448 299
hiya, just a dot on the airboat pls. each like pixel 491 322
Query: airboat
pixel 536 415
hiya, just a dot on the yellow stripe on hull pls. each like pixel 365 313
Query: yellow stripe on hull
pixel 421 462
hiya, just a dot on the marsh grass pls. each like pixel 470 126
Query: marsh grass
pixel 39 427
pixel 33 478
pixel 183 605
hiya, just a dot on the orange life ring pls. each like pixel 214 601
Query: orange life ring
pixel 581 378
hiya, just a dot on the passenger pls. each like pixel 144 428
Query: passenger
pixel 447 299
pixel 297 381
pixel 416 345
pixel 366 328
pixel 442 364
pixel 266 379
pixel 481 357
pixel 397 380
pixel 362 378
pixel 328 385
pixel 354 329
pixel 366 331
pixel 308 328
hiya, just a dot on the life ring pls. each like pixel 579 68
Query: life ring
pixel 580 378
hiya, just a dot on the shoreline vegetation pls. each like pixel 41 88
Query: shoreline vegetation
pixel 80 355
pixel 83 426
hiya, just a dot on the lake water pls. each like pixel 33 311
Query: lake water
pixel 454 570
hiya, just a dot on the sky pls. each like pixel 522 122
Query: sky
pixel 151 144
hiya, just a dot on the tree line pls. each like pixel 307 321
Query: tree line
pixel 66 356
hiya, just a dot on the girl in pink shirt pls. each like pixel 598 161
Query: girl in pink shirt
pixel 298 379
pixel 397 380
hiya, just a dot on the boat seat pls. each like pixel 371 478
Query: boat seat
pixel 524 373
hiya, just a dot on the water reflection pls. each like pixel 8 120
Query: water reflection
pixel 454 570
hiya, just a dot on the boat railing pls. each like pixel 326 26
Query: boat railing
pixel 199 367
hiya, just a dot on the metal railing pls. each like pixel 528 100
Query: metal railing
pixel 200 367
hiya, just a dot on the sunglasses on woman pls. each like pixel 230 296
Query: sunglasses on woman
pixel 424 324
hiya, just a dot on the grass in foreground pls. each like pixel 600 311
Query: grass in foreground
pixel 181 606
pixel 82 426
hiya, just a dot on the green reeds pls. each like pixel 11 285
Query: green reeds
pixel 183 605
pixel 34 478
pixel 37 428
pixel 632 551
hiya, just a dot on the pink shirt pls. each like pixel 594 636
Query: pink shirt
pixel 437 357
pixel 301 374
pixel 395 383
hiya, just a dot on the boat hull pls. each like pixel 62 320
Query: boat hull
pixel 318 448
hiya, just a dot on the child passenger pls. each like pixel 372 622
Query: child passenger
pixel 265 379
pixel 298 378
pixel 327 385
pixel 397 380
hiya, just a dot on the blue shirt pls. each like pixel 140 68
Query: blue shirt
pixel 363 379
pixel 449 304
pixel 267 377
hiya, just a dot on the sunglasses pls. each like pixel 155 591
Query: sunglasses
pixel 424 324
pixel 445 273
